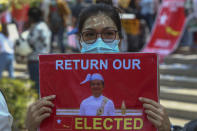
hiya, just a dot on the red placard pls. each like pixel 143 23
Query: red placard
pixel 168 28
pixel 126 78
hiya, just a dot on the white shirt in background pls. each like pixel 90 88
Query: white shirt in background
pixel 6 46
pixel 39 38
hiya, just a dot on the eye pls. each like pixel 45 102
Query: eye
pixel 89 34
pixel 109 33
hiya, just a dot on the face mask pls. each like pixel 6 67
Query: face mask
pixel 100 47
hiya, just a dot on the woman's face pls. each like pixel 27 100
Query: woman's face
pixel 101 25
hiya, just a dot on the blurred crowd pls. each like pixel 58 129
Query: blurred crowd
pixel 50 26
pixel 190 33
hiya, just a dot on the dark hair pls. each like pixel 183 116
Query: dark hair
pixel 5 30
pixel 35 14
pixel 107 10
pixel 109 2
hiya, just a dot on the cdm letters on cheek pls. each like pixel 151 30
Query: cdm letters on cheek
pixel 98 64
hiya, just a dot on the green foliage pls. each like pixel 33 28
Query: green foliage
pixel 3 5
pixel 19 3
pixel 19 95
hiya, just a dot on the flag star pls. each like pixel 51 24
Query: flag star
pixel 163 19
pixel 59 121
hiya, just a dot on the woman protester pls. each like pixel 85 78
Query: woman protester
pixel 99 32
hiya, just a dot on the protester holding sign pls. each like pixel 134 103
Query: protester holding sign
pixel 99 32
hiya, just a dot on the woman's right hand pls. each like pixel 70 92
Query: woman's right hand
pixel 39 111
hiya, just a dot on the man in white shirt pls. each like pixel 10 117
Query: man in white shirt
pixel 97 104
pixel 6 53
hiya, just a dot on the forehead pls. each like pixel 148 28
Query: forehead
pixel 96 81
pixel 99 22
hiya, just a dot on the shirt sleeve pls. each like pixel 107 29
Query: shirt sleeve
pixel 5 117
pixel 82 110
pixel 110 108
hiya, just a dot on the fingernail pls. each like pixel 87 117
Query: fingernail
pixel 53 96
pixel 140 98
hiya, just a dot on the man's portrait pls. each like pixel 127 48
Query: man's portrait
pixel 96 104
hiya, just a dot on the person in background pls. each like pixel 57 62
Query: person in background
pixel 191 17
pixel 59 13
pixel 6 52
pixel 76 9
pixel 115 3
pixel 45 9
pixel 156 7
pixel 39 40
pixel 99 32
pixel 147 12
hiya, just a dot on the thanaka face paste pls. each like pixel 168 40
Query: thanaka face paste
pixel 99 22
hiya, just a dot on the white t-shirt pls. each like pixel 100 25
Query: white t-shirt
pixel 90 105
pixel 39 38
pixel 6 46
pixel 5 117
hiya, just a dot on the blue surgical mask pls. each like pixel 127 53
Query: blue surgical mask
pixel 100 47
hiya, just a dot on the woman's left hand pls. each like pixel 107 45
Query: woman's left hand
pixel 156 114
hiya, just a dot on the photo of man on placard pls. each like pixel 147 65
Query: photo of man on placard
pixel 96 104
